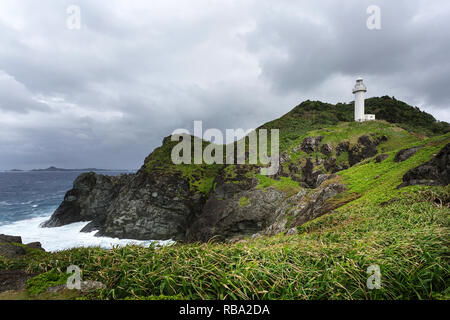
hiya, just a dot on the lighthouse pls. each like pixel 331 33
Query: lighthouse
pixel 359 90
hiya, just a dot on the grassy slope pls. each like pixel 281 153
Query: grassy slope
pixel 309 118
pixel 407 237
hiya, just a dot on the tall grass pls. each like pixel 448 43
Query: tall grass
pixel 407 239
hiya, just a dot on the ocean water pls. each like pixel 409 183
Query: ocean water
pixel 29 198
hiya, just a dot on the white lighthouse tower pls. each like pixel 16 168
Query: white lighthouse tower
pixel 359 90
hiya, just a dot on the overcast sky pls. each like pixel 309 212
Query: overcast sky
pixel 105 95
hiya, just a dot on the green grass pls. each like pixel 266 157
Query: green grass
pixel 377 182
pixel 44 281
pixel 403 231
pixel 408 239
pixel 285 184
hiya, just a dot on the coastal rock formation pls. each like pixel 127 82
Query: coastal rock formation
pixel 152 206
pixel 317 204
pixel 161 204
pixel 11 247
pixel 302 207
pixel 434 172
pixel 88 200
pixel 10 239
pixel 405 154
pixel 245 213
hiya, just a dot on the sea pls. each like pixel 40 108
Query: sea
pixel 28 198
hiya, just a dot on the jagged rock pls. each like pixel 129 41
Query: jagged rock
pixel 321 178
pixel 310 144
pixel 308 175
pixel 126 206
pixel 317 204
pixel 88 200
pixel 331 165
pixel 136 214
pixel 10 246
pixel 10 239
pixel 326 149
pixel 162 205
pixel 434 172
pixel 405 154
pixel 381 157
pixel 302 207
pixel 365 148
pixel 282 172
pixel 228 218
pixel 279 220
pixel 342 147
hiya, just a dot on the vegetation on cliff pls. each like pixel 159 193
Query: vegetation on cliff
pixel 405 231
pixel 401 123
pixel 407 238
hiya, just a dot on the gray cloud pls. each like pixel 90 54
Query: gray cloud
pixel 106 95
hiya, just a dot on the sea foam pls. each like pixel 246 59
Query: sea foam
pixel 65 237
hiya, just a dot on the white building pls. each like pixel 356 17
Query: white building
pixel 359 90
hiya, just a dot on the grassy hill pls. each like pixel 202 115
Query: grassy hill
pixel 404 231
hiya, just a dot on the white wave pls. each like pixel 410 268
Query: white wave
pixel 65 237
pixel 5 203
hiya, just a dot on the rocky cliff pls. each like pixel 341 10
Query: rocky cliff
pixel 227 202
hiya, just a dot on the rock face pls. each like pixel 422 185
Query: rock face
pixel 381 157
pixel 302 207
pixel 11 246
pixel 88 200
pixel 309 176
pixel 161 204
pixel 434 172
pixel 326 149
pixel 310 144
pixel 317 205
pixel 152 206
pixel 365 148
pixel 405 154
pixel 244 213
pixel 342 147
pixel 10 239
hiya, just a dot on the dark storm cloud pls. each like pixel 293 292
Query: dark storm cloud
pixel 408 50
pixel 106 95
